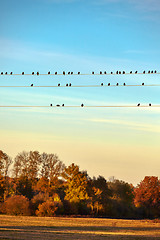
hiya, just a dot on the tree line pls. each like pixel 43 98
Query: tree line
pixel 41 184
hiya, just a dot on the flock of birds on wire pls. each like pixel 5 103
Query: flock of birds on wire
pixel 79 73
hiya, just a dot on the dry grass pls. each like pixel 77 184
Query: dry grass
pixel 60 228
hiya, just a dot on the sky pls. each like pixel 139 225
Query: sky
pixel 85 36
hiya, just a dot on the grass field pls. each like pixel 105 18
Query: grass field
pixel 60 228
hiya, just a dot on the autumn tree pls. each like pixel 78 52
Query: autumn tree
pixel 147 195
pixel 5 162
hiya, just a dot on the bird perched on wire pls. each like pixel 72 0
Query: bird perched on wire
pixel 138 104
pixel 123 72
pixel 130 72
pixel 143 84
pixel 144 72
pixel 101 84
pixel 117 84
pixel 63 72
pixel 11 73
pixel 92 72
pixel 59 84
pixel 55 73
pixel 68 73
pixel 82 105
pixel 105 72
pixel 70 85
pixel 6 73
pixel 49 73
pixel 57 105
pixel 124 84
pixel 51 104
pixel 63 105
pixel 32 73
pixel 109 84
pixel 136 72
pixel 32 85
pixel 79 73
pixel 37 73
pixel 150 104
pixel 100 72
pixel 22 73
pixel 71 73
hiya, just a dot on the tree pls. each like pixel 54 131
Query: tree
pixel 5 162
pixel 147 195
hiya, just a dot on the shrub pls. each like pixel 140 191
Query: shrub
pixel 16 205
pixel 46 209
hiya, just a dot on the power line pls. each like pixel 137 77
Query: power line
pixel 83 86
pixel 82 105
pixel 79 73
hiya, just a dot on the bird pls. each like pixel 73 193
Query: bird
pixel 144 72
pixel 6 73
pixel 66 84
pixel 117 72
pixel 143 84
pixel 111 72
pixel 117 84
pixel 155 71
pixel 82 105
pixel 150 104
pixel 68 73
pixel 71 72
pixel 32 73
pixel 100 72
pixel 138 104
pixel 32 85
pixel 59 84
pixel 136 72
pixel 51 104
pixel 79 73
pixel 49 73
pixel 130 72
pixel 92 72
pixel 149 71
pixel 70 85
pixel 123 72
pixel 1 73
pixel 22 73
pixel 63 72
pixel 37 73
pixel 57 105
pixel 109 84
pixel 55 73
pixel 11 73
pixel 101 84
pixel 124 84
pixel 105 72
pixel 63 105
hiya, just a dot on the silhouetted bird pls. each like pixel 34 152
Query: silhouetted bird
pixel 1 73
pixel 49 73
pixel 70 85
pixel 32 85
pixel 130 72
pixel 138 104
pixel 37 73
pixel 109 84
pixel 124 84
pixel 22 73
pixel 63 105
pixel 144 72
pixel 11 73
pixel 149 71
pixel 68 72
pixel 59 84
pixel 66 84
pixel 111 72
pixel 82 105
pixel 136 72
pixel 143 84
pixel 155 71
pixel 55 73
pixel 101 84
pixel 51 104
pixel 119 72
pixel 71 73
pixel 6 73
pixel 57 105
pixel 117 84
pixel 79 73
pixel 105 72
pixel 123 72
pixel 92 72
pixel 150 104
pixel 63 72
pixel 100 72
pixel 32 73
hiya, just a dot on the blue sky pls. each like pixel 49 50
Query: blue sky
pixel 85 36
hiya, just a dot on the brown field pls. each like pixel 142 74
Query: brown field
pixel 61 228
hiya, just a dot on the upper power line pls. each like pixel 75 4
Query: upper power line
pixel 79 73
